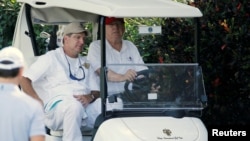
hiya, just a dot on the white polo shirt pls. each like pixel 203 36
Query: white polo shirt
pixel 20 115
pixel 51 80
pixel 129 54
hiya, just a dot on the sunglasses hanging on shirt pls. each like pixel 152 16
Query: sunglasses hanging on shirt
pixel 71 76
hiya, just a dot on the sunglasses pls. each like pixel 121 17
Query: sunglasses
pixel 71 76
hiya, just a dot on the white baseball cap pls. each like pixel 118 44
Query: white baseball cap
pixel 11 58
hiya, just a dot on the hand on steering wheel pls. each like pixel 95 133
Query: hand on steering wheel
pixel 130 75
pixel 141 84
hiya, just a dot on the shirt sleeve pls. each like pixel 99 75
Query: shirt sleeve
pixel 137 57
pixel 37 126
pixel 94 55
pixel 94 80
pixel 38 68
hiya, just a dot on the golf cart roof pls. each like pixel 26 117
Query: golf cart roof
pixel 92 9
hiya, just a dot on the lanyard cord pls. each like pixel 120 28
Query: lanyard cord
pixel 70 73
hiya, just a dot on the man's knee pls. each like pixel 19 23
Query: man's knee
pixel 74 108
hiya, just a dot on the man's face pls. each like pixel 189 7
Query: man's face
pixel 75 42
pixel 115 30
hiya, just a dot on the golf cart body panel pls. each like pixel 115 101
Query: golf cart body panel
pixel 151 129
pixel 171 112
pixel 135 123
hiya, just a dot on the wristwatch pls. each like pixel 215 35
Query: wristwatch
pixel 93 98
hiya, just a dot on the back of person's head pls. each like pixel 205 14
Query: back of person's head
pixel 11 61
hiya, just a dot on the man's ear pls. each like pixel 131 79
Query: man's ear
pixel 65 38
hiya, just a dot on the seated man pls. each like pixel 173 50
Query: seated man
pixel 68 88
pixel 118 51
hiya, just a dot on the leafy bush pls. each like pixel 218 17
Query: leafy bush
pixel 225 60
pixel 8 10
pixel 223 54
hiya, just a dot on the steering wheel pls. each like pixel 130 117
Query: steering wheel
pixel 141 86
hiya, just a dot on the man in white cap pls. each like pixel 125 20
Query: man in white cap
pixel 64 83
pixel 21 116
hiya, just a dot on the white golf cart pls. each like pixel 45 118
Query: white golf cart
pixel 170 113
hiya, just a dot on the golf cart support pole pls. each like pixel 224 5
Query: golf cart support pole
pixel 103 88
pixel 31 31
pixel 197 38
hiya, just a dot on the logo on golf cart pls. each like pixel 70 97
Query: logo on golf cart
pixel 167 132
pixel 150 29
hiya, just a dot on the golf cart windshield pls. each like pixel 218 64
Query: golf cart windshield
pixel 159 87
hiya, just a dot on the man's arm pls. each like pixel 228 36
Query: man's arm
pixel 37 138
pixel 26 86
pixel 37 126
pixel 95 95
pixel 115 77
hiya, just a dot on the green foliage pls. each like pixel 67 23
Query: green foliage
pixel 41 42
pixel 8 10
pixel 224 56
pixel 174 45
pixel 143 42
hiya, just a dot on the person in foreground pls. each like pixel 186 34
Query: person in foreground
pixel 118 51
pixel 69 85
pixel 21 116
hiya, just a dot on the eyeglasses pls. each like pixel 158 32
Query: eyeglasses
pixel 71 76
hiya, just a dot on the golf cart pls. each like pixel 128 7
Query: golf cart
pixel 169 113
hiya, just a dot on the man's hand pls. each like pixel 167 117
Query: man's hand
pixel 155 88
pixel 130 75
pixel 84 99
